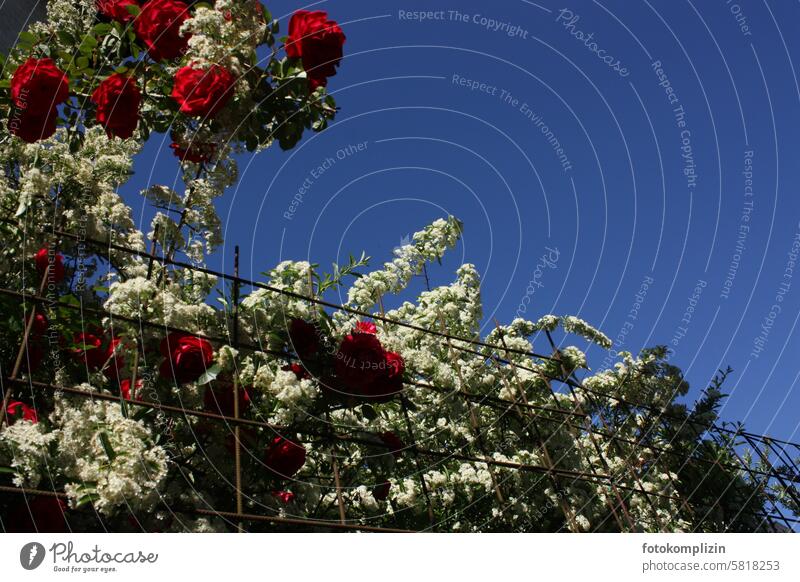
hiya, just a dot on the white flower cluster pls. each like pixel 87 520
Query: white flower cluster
pixel 24 447
pixel 220 34
pixel 429 244
pixel 173 304
pixel 109 459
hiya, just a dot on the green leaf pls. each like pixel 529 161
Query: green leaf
pixel 91 498
pixel 7 471
pixel 210 375
pixel 28 37
pixel 102 28
pixel 107 446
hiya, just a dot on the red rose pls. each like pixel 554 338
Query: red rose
pixel 125 388
pixel 118 99
pixel 285 497
pixel 198 153
pixel 35 352
pixel 284 458
pixel 392 442
pixel 360 361
pixel 303 338
pixel 21 410
pixel 158 26
pixel 390 381
pixel 187 357
pixel 381 491
pixel 38 86
pixel 39 327
pixel 220 400
pixel 31 127
pixel 201 92
pixel 366 327
pixel 116 361
pixel 42 259
pixel 42 514
pixel 318 42
pixel 89 353
pixel 116 9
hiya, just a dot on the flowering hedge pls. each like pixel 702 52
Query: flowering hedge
pixel 449 431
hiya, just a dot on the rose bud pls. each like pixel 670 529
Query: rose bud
pixel 303 338
pixel 39 327
pixel 381 491
pixel 219 400
pixel 37 87
pixel 118 99
pixel 285 497
pixel 158 26
pixel 318 42
pixel 298 370
pixel 42 259
pixel 284 458
pixel 392 442
pixel 200 153
pixel 187 357
pixel 202 92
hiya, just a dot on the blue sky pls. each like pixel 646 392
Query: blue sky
pixel 647 149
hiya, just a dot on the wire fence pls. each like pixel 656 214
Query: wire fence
pixel 776 467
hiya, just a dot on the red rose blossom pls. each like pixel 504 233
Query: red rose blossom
pixel 318 42
pixel 360 361
pixel 303 338
pixel 390 382
pixel 116 9
pixel 42 259
pixel 115 359
pixel 202 92
pixel 89 351
pixel 285 497
pixel 392 442
pixel 381 491
pixel 38 86
pixel 125 389
pixel 32 127
pixel 158 26
pixel 198 153
pixel 42 514
pixel 118 99
pixel 366 327
pixel 284 458
pixel 187 357
pixel 21 410
pixel 219 400
pixel 39 327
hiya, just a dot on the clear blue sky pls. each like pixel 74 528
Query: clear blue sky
pixel 617 205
